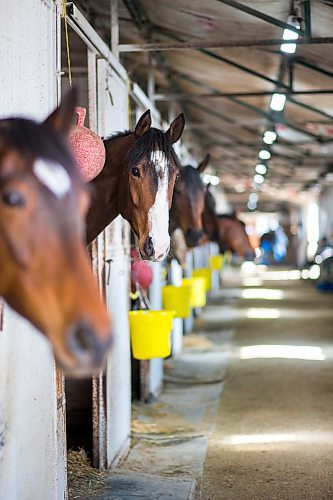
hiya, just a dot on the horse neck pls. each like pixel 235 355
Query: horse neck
pixel 210 224
pixel 173 214
pixel 223 232
pixel 104 203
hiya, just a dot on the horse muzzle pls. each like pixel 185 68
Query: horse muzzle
pixel 153 252
pixel 87 348
pixel 193 237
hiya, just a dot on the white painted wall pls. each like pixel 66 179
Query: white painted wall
pixel 28 409
pixel 113 116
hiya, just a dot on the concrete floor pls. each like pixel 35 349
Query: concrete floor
pixel 227 427
pixel 273 432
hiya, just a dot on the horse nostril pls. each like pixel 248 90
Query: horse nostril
pixel 85 345
pixel 149 247
pixel 193 236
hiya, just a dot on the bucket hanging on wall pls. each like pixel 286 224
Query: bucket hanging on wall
pixel 198 291
pixel 216 262
pixel 178 299
pixel 205 273
pixel 87 147
pixel 150 333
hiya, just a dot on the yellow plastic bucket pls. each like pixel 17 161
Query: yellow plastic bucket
pixel 205 273
pixel 150 333
pixel 198 291
pixel 216 262
pixel 178 299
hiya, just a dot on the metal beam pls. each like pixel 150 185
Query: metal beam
pixel 191 96
pixel 225 60
pixel 261 15
pixel 217 44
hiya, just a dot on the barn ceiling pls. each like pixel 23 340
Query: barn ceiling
pixel 225 92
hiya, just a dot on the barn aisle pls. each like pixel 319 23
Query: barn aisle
pixel 273 432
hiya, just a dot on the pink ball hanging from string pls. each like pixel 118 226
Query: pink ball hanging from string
pixel 87 147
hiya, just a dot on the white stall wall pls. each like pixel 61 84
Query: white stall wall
pixel 326 213
pixel 28 409
pixel 113 116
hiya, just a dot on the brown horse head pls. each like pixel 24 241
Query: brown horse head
pixel 209 217
pixel 137 182
pixel 45 273
pixel 233 236
pixel 188 203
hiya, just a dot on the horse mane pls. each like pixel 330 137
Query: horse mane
pixel 192 176
pixel 145 145
pixel 116 135
pixel 232 216
pixel 210 201
pixel 34 140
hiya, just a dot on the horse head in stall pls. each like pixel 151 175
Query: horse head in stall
pixel 188 203
pixel 226 230
pixel 45 272
pixel 233 236
pixel 137 182
pixel 209 217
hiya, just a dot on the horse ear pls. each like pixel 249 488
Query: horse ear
pixel 143 124
pixel 62 117
pixel 176 128
pixel 201 167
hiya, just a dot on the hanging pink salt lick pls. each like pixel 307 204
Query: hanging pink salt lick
pixel 87 147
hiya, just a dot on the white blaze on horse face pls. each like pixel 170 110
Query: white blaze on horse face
pixel 158 215
pixel 53 176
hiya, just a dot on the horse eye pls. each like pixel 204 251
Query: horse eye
pixel 13 198
pixel 135 171
pixel 177 177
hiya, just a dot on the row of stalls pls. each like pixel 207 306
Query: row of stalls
pixel 41 413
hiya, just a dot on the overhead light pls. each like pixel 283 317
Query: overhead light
pixel 278 101
pixel 269 137
pixel 261 169
pixel 211 179
pixel 253 197
pixel 251 205
pixel 259 179
pixel 290 48
pixel 264 154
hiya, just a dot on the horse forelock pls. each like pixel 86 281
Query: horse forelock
pixel 192 178
pixel 151 143
pixel 37 142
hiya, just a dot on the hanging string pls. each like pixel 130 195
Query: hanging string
pixel 64 16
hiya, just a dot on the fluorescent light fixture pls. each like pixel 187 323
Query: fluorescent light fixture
pixel 253 197
pixel 290 48
pixel 251 205
pixel 261 169
pixel 211 179
pixel 214 180
pixel 269 137
pixel 278 101
pixel 264 154
pixel 258 179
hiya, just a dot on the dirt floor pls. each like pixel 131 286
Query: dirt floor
pixel 273 432
pixel 247 409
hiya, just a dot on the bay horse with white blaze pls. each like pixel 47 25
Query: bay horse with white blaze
pixel 137 182
pixel 45 272
pixel 226 230
pixel 188 203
